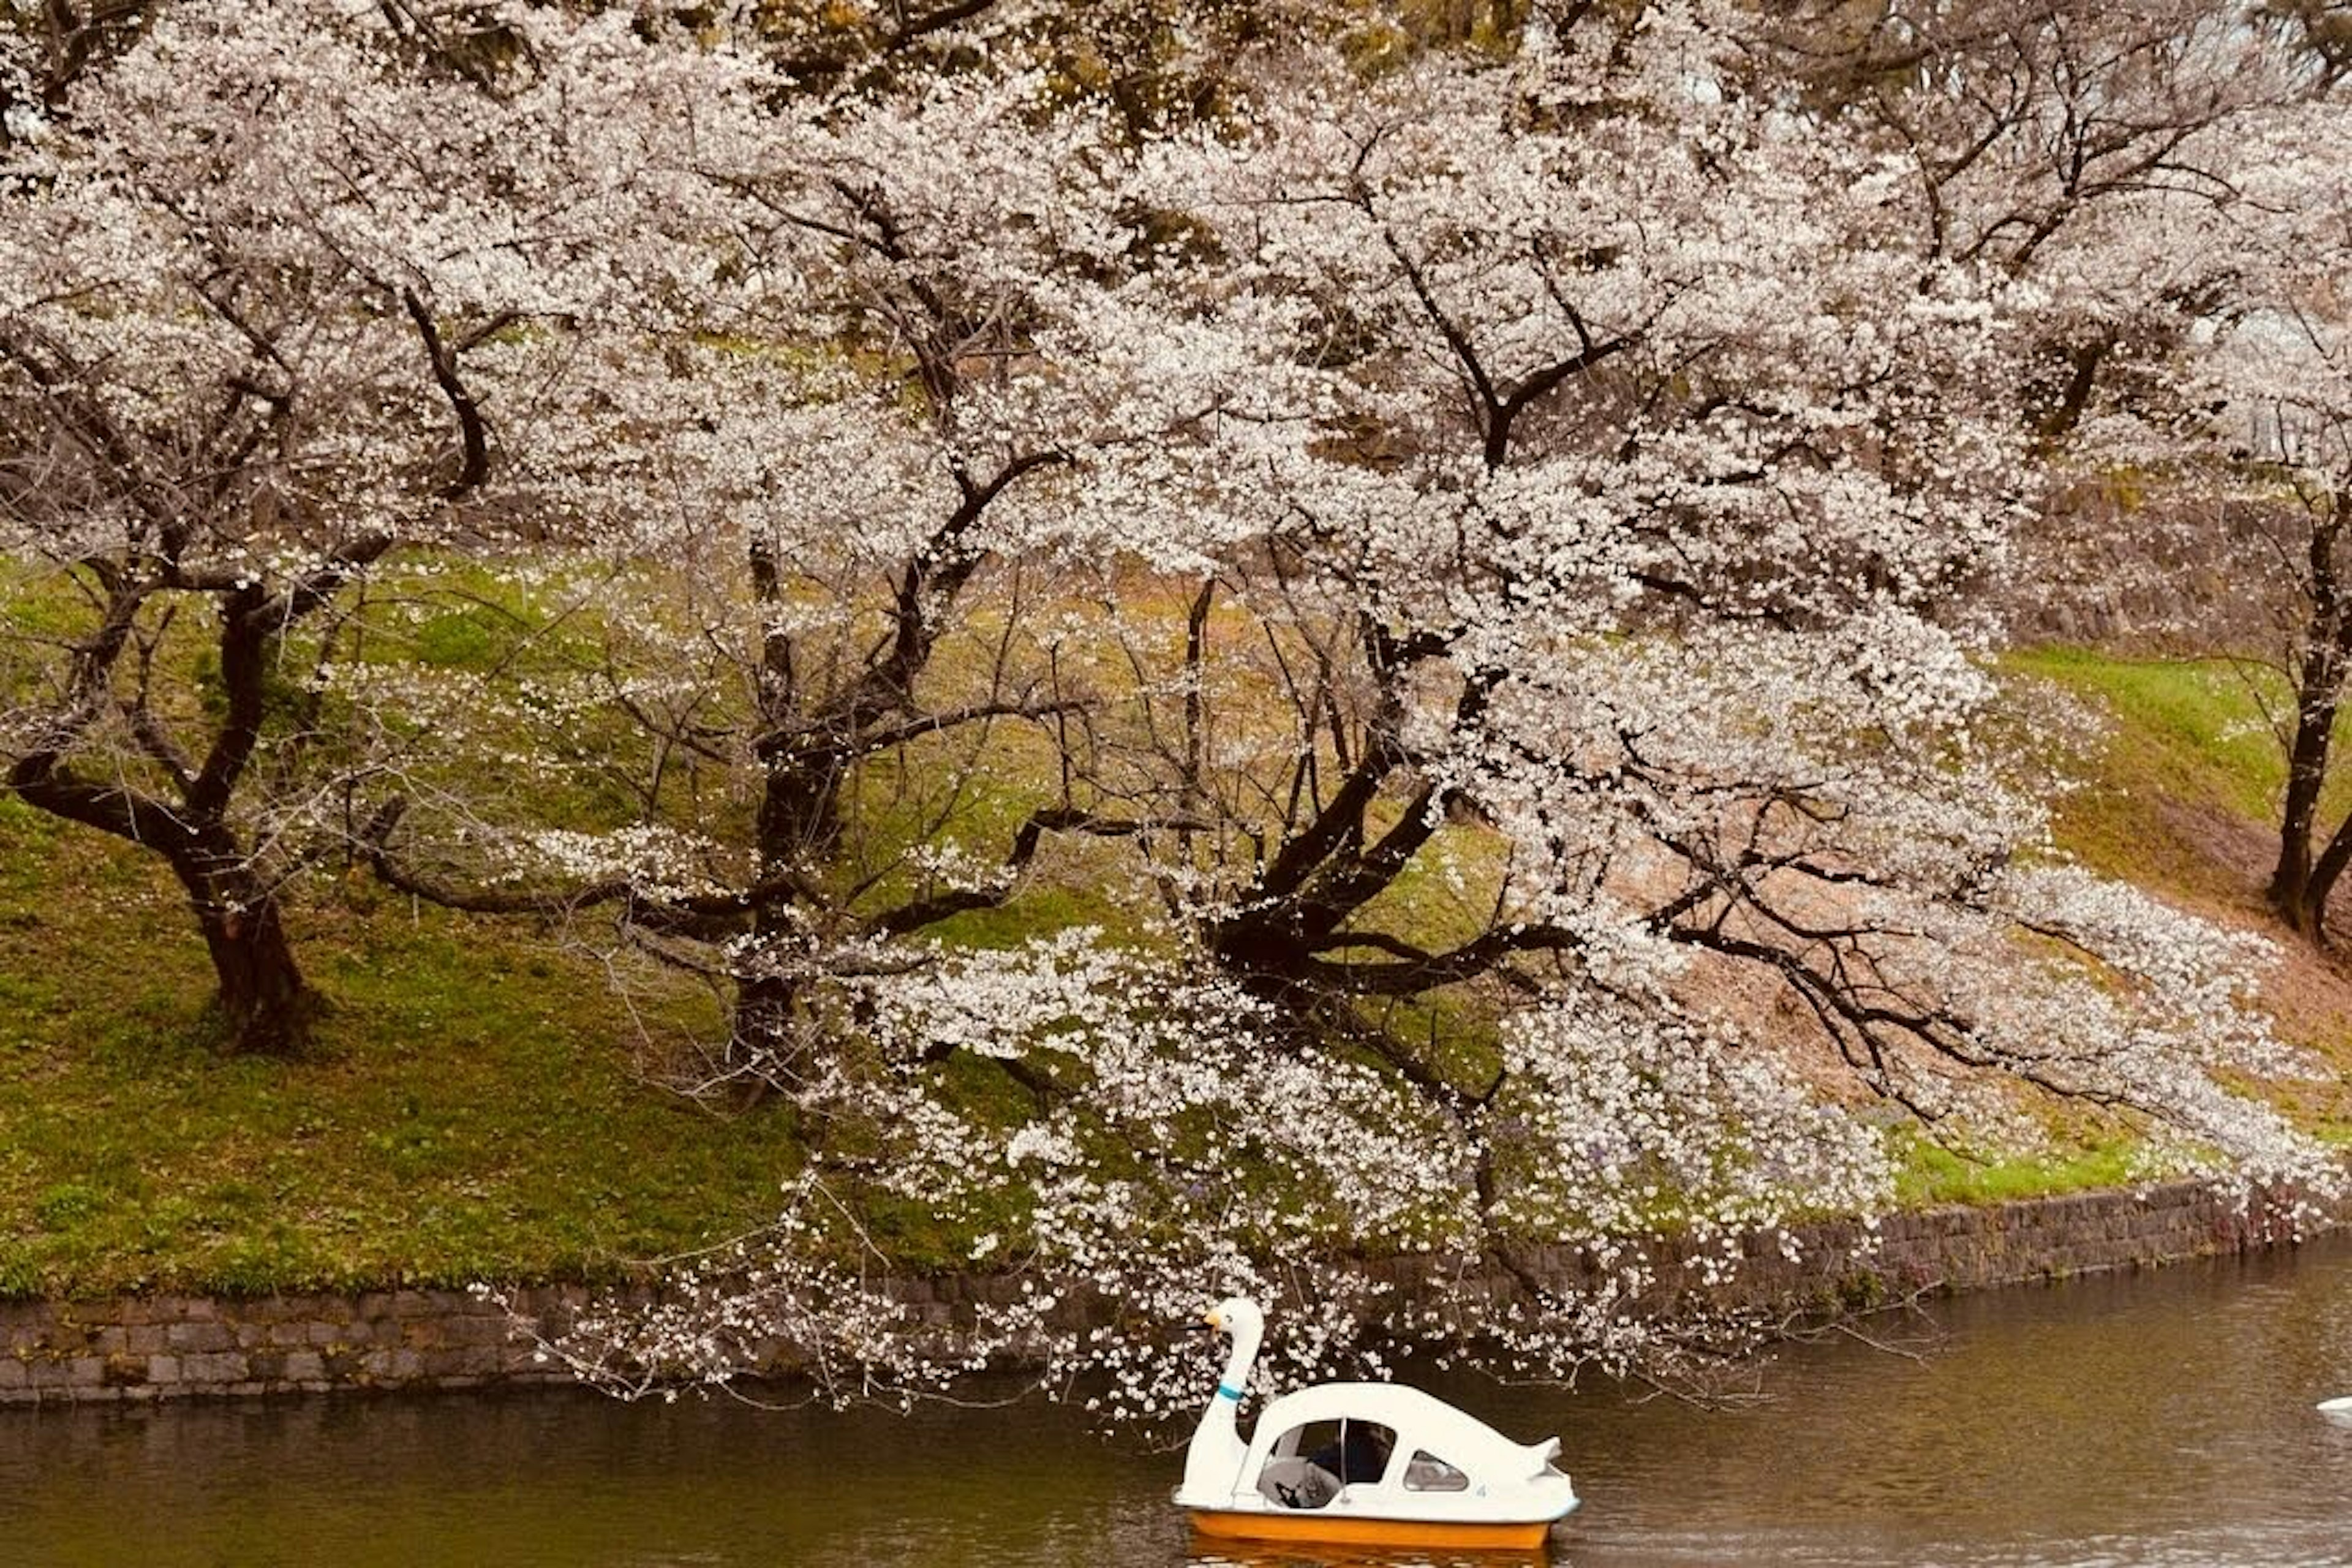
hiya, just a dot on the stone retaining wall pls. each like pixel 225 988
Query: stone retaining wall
pixel 1967 1249
pixel 161 1347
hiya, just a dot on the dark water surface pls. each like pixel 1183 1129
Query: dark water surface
pixel 2163 1418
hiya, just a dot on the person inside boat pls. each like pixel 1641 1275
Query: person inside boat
pixel 1360 1453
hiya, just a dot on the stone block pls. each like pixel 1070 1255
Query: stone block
pixel 473 1363
pixel 203 1336
pixel 391 1367
pixel 73 1375
pixel 476 1328
pixel 213 1368
pixel 67 1337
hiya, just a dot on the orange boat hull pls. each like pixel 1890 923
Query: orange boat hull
pixel 1326 1529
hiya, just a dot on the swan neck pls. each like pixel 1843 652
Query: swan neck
pixel 1242 1357
pixel 1214 1459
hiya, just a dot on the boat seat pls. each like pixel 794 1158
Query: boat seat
pixel 1295 1482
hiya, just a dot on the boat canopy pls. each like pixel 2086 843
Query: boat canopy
pixel 1421 1419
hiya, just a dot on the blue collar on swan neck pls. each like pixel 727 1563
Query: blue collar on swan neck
pixel 1226 1391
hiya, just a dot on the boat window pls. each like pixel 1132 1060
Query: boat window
pixel 1425 1472
pixel 1308 1464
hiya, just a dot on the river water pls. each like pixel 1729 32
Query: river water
pixel 2162 1418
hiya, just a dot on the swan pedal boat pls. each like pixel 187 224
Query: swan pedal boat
pixel 1362 1464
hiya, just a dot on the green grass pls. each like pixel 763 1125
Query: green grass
pixel 2178 793
pixel 2190 732
pixel 477 1103
pixel 470 1110
pixel 1931 1175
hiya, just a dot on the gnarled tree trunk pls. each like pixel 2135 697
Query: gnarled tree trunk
pixel 2302 880
pixel 265 1005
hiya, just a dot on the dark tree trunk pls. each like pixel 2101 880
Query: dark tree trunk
pixel 798 825
pixel 807 754
pixel 2308 754
pixel 2299 885
pixel 264 1002
pixel 262 998
pixel 2320 886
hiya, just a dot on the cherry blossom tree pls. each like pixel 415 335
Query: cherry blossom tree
pixel 2278 368
pixel 49 46
pixel 2152 175
pixel 1576 547
pixel 1294 688
pixel 2091 153
pixel 2083 150
pixel 252 272
pixel 871 450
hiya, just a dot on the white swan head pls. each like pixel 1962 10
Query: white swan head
pixel 1238 1315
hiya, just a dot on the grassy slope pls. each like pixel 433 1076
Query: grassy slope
pixel 475 1109
pixel 471 1110
pixel 2187 743
pixel 2175 788
pixel 2180 799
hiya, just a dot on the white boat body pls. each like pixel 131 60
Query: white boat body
pixel 1448 1477
pixel 2339 1410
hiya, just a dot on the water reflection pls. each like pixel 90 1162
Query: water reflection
pixel 2159 1421
pixel 1289 1557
